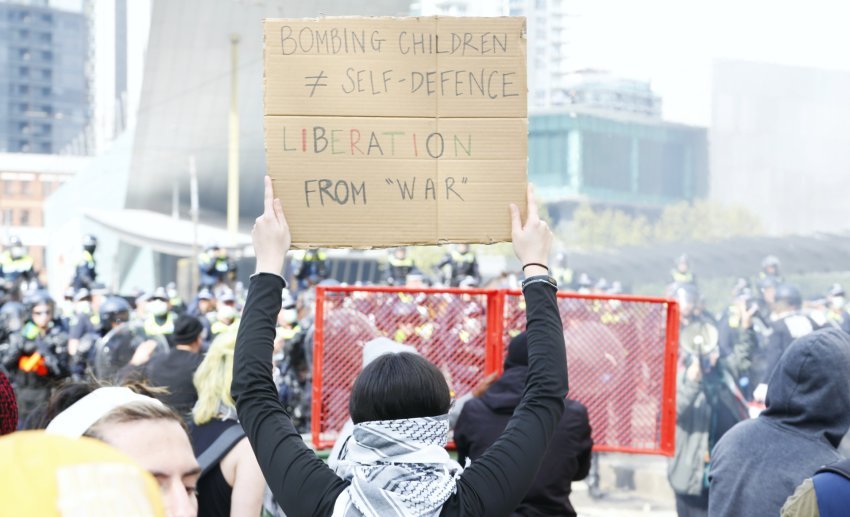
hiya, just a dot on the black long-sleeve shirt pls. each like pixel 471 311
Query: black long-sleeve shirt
pixel 304 485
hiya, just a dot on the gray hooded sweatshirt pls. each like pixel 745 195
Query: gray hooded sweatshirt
pixel 759 463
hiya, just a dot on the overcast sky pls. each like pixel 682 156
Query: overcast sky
pixel 674 42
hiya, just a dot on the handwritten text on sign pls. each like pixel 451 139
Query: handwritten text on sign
pixel 433 107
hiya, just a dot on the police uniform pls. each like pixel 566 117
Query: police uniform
pixel 37 362
pixel 399 268
pixel 462 265
pixel 14 269
pixel 85 273
pixel 313 264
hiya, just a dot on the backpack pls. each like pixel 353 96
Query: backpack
pixel 832 488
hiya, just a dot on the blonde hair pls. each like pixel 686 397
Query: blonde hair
pixel 212 379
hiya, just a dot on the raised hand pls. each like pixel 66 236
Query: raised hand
pixel 532 240
pixel 270 234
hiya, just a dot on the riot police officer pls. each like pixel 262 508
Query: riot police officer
pixel 37 357
pixel 313 268
pixel 789 323
pixel 399 265
pixel 462 263
pixel 85 273
pixel 216 267
pixel 17 268
pixel 681 273
pixel 120 346
pixel 770 269
pixel 159 320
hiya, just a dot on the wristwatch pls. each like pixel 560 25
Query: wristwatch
pixel 540 279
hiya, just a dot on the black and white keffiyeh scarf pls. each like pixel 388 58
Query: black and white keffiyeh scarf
pixel 397 468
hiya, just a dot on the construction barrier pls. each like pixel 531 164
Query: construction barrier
pixel 621 352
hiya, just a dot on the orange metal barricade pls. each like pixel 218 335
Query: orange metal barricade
pixel 621 352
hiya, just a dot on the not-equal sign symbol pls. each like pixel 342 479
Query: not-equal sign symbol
pixel 317 81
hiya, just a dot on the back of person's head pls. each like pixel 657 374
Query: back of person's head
pixel 809 389
pixel 213 378
pixel 788 297
pixel 397 386
pixel 187 330
pixel 517 354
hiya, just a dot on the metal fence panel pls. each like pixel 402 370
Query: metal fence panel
pixel 621 355
pixel 621 352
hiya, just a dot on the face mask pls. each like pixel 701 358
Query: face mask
pixel 226 312
pixel 83 307
pixel 290 315
pixel 17 252
pixel 837 302
pixel 157 307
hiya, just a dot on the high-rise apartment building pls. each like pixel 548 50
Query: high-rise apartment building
pixel 44 75
pixel 548 38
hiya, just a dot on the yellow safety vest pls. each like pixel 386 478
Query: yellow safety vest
pixel 152 328
pixel 682 278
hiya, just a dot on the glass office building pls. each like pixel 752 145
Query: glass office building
pixel 623 160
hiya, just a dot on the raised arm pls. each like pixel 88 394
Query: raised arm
pixel 301 483
pixel 496 483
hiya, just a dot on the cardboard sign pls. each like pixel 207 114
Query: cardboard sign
pixel 396 131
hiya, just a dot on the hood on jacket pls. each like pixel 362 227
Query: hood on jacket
pixel 810 388
pixel 503 396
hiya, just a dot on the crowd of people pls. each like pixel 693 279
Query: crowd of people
pixel 151 375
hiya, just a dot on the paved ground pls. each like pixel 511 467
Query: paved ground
pixel 651 495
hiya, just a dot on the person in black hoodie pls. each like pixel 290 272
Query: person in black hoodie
pixel 483 419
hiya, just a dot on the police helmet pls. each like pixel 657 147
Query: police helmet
pixel 683 259
pixel 89 242
pixel 12 316
pixel 789 294
pixel 602 285
pixel 770 261
pixel 14 241
pixel 836 290
pixel 113 310
pixel 160 294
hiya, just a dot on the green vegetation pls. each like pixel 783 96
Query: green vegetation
pixel 701 220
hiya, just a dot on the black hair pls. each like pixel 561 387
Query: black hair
pixel 396 386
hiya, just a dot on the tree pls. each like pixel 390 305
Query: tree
pixel 700 221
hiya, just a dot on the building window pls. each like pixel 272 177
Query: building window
pixel 8 187
pixel 26 188
pixel 6 217
pixel 24 217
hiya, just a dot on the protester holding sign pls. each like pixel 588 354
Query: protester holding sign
pixel 399 406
